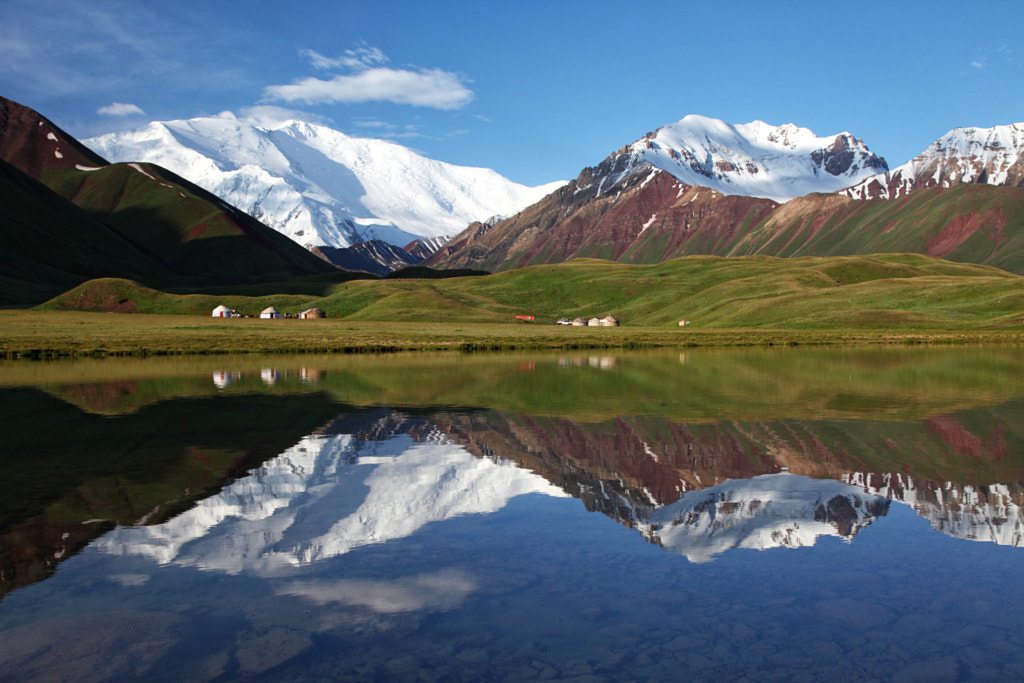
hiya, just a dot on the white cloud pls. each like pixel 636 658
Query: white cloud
pixel 360 58
pixel 368 81
pixel 993 56
pixel 120 109
pixel 439 591
pixel 426 88
pixel 374 124
pixel 390 130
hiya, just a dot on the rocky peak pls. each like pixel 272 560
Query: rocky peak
pixel 993 156
pixel 841 157
pixel 754 159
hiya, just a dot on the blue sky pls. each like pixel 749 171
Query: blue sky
pixel 535 90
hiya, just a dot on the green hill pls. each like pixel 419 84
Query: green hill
pixel 69 216
pixel 966 223
pixel 892 291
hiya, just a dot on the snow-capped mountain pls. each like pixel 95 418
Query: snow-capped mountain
pixel 319 186
pixel 991 513
pixel 426 247
pixel 374 256
pixel 754 159
pixel 770 511
pixel 326 496
pixel 993 156
pixel 650 200
pixel 379 257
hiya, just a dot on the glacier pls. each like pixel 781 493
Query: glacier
pixel 319 186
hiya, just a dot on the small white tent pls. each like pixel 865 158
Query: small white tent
pixel 222 312
pixel 270 312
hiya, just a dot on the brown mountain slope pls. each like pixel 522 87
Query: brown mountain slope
pixel 641 218
pixel 966 223
pixel 34 145
pixel 653 218
pixel 960 199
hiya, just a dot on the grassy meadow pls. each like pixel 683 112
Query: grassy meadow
pixel 727 301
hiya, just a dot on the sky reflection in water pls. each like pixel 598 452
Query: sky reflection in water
pixel 434 543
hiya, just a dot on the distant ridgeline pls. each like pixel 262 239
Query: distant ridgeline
pixel 702 187
pixel 695 187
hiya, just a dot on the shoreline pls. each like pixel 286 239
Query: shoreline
pixel 40 334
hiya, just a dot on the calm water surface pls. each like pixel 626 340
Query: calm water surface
pixel 710 515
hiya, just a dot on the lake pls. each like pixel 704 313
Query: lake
pixel 744 514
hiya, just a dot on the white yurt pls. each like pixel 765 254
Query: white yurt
pixel 270 312
pixel 222 312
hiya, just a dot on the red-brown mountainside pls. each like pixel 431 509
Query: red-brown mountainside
pixel 641 218
pixel 961 199
pixel 34 145
pixel 967 223
pixel 653 218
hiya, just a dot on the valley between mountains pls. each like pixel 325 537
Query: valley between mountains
pixel 718 225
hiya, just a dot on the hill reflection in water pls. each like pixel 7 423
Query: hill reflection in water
pixel 407 517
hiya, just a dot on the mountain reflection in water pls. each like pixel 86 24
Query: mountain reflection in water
pixel 326 496
pixel 237 524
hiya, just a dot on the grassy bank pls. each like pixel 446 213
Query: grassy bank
pixel 34 334
pixel 742 301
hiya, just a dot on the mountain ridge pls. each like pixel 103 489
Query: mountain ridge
pixel 754 159
pixel 319 186
pixel 625 209
pixel 71 216
pixel 992 156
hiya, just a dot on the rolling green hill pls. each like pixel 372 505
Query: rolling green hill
pixel 49 245
pixel 893 291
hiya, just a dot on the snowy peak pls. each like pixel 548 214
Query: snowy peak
pixel 319 186
pixel 768 511
pixel 375 257
pixel 425 247
pixel 993 513
pixel 754 159
pixel 993 156
pixel 324 497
